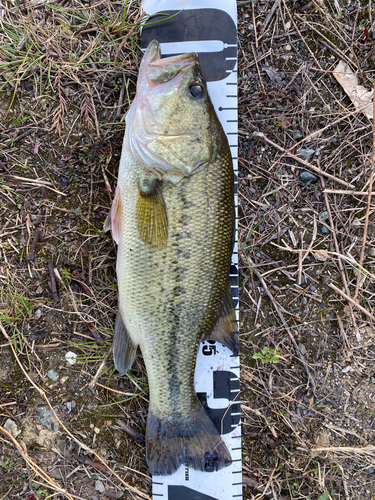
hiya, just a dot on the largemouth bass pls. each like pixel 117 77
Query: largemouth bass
pixel 173 220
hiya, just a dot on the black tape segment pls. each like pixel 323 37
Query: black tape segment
pixel 197 25
pixel 227 386
pixel 184 493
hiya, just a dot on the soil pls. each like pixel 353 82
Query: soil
pixel 61 129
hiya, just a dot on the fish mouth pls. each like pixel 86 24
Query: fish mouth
pixel 162 70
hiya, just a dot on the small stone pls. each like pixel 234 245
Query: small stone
pixel 261 228
pixel 39 291
pixel 99 486
pixel 307 177
pixel 252 190
pixel 302 349
pixel 52 374
pixel 47 418
pixel 356 222
pixel 71 405
pixel 312 288
pixel 325 230
pixel 71 357
pixel 323 216
pixel 63 181
pixel 96 430
pixel 11 427
pixel 304 301
pixel 251 27
pixel 29 86
pixel 29 273
pixel 373 380
pixel 297 134
pixel 334 141
pixel 370 470
pixel 38 313
pixel 305 153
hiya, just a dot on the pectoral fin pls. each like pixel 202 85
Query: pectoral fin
pixel 124 349
pixel 113 221
pixel 151 215
pixel 225 330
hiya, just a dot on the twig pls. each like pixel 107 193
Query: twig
pixel 269 15
pixel 82 445
pixel 343 333
pixel 31 255
pixel 38 470
pixel 106 182
pixel 55 293
pixel 277 308
pixel 135 435
pixel 366 450
pixel 94 332
pixel 341 267
pixel 303 162
pixel 248 481
pixel 347 191
pixel 355 304
pixel 100 369
pixel 299 278
pixel 78 278
pixel 256 62
pixel 368 204
pixel 121 98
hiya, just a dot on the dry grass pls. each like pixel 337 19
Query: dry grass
pixel 67 74
pixel 306 437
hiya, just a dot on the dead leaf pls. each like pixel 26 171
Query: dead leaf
pixel 359 95
pixel 323 439
pixel 277 77
pixel 322 256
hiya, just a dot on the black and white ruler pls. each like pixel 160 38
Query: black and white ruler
pixel 209 28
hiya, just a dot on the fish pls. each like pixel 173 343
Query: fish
pixel 173 218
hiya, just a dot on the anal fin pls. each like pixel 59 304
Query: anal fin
pixel 225 329
pixel 124 349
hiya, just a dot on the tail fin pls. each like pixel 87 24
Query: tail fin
pixel 191 440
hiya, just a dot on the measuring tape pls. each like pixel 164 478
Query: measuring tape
pixel 209 28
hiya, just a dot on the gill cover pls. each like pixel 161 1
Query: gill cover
pixel 167 125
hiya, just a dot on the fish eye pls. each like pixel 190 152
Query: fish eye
pixel 196 91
